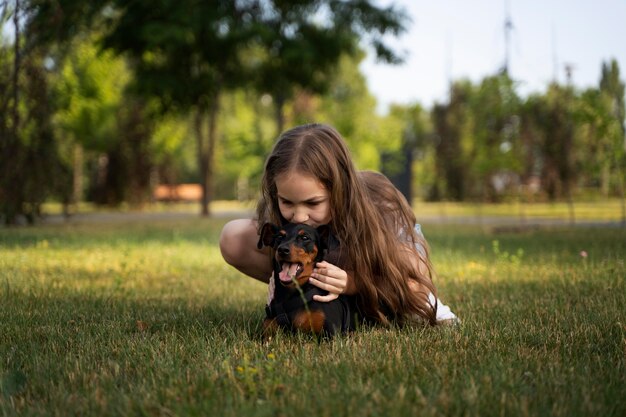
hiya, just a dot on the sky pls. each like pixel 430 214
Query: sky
pixel 454 39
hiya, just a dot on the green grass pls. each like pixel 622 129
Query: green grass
pixel 604 210
pixel 146 319
pixel 596 210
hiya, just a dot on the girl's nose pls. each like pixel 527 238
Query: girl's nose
pixel 299 216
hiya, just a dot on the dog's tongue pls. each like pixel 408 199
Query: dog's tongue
pixel 289 271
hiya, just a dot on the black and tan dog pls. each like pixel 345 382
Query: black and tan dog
pixel 297 248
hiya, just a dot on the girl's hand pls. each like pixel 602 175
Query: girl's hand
pixel 330 278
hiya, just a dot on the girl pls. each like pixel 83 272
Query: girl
pixel 382 257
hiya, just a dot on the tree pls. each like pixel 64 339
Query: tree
pixel 496 152
pixel 348 106
pixel 613 88
pixel 182 53
pixel 450 123
pixel 597 127
pixel 187 60
pixel 30 169
pixel 303 43
pixel 89 91
pixel 410 131
pixel 247 135
pixel 188 53
pixel 549 124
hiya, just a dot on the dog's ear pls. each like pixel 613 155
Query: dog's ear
pixel 324 232
pixel 268 231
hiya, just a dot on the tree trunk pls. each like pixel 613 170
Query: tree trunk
pixel 77 176
pixel 622 195
pixel 12 153
pixel 605 180
pixel 280 113
pixel 137 138
pixel 202 160
pixel 208 191
pixel 206 151
pixel 16 70
pixel 570 205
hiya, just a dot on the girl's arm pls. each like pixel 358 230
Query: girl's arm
pixel 332 279
pixel 239 249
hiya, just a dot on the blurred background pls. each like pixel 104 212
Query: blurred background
pixel 131 103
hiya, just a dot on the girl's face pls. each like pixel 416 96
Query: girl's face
pixel 303 199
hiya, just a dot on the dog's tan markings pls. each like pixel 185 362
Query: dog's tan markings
pixel 302 255
pixel 304 258
pixel 309 321
pixel 270 327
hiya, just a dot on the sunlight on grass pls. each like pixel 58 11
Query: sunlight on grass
pixel 608 210
pixel 604 210
pixel 146 318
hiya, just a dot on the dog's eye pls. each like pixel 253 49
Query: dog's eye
pixel 305 238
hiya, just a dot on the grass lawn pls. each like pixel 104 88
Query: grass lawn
pixel 605 210
pixel 145 318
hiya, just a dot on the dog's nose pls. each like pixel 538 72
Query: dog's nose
pixel 283 251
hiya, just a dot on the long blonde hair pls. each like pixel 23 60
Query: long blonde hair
pixel 369 217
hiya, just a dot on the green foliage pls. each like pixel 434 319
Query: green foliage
pixel 514 259
pixel 212 84
pixel 169 137
pixel 496 148
pixel 144 317
pixel 304 43
pixel 182 58
pixel 613 87
pixel 31 170
pixel 90 92
pixel 494 108
pixel 601 137
pixel 349 107
pixel 558 141
pixel 247 138
pixel 455 145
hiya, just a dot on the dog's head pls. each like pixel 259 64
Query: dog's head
pixel 298 247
